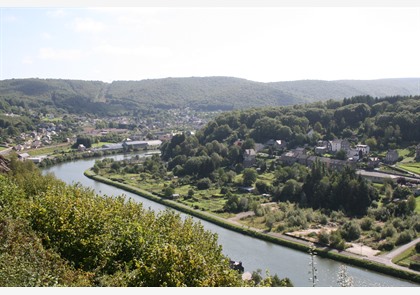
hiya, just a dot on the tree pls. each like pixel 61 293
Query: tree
pixel 204 183
pixel 249 176
pixel 291 191
pixel 351 230
pixel 168 191
pixel 341 155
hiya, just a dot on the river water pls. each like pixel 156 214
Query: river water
pixel 254 253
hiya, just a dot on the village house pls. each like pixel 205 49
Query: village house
pixel 339 144
pixel 279 144
pixel 365 149
pixel 23 156
pixel 323 147
pixel 391 157
pixel 300 156
pixel 321 150
pixel 249 158
pixel 291 157
pixel 36 144
pixel 19 147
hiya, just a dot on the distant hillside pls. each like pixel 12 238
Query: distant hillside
pixel 200 93
pixel 208 93
pixel 315 90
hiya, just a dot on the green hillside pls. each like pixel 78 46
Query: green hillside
pixel 199 93
pixel 314 90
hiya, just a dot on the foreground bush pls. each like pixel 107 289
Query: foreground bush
pixel 53 234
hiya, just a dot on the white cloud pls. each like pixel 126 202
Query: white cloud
pixel 59 54
pixel 88 25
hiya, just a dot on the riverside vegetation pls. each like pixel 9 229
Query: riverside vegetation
pixel 205 172
pixel 54 234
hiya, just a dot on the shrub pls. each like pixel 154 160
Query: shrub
pixel 403 238
pixel 386 245
pixel 204 183
pixel 415 265
pixel 323 219
pixel 324 237
pixel 418 247
pixel 388 231
pixel 281 227
pixel 351 231
pixel 366 223
pixel 336 240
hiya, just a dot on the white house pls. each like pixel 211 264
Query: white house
pixel 364 148
pixel 335 145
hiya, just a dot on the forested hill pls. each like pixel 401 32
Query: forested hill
pixel 315 90
pixel 200 93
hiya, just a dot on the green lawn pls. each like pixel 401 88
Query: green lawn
pixel 412 167
pixel 48 150
pixel 100 144
pixel 403 152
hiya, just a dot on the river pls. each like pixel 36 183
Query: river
pixel 254 253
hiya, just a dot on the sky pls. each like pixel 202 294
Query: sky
pixel 266 43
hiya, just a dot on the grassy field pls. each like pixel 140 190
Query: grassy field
pixel 100 144
pixel 210 199
pixel 49 150
pixel 413 167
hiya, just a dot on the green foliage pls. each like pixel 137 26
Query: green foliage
pixel 249 176
pixel 338 190
pixel 25 262
pixel 65 235
pixel 366 223
pixel 350 231
pixel 204 183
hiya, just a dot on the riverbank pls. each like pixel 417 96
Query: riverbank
pixel 284 240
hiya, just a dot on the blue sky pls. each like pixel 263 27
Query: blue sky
pixel 257 43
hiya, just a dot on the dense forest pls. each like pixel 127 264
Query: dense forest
pixel 198 93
